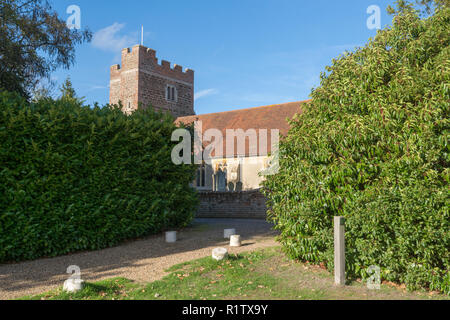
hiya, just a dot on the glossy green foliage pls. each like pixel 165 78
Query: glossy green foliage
pixel 75 178
pixel 372 146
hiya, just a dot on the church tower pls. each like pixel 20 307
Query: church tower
pixel 141 81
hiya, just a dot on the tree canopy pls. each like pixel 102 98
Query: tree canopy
pixel 34 41
pixel 68 93
pixel 372 146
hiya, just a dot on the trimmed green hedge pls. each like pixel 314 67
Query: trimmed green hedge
pixel 75 178
pixel 372 146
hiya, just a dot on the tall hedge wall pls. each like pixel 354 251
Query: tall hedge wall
pixel 75 178
pixel 372 146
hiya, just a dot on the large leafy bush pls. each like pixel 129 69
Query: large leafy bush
pixel 372 146
pixel 75 178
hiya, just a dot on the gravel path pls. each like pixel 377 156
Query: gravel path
pixel 142 260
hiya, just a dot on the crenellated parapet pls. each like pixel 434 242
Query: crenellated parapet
pixel 141 80
pixel 115 71
pixel 145 59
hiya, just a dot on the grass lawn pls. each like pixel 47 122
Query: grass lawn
pixel 260 275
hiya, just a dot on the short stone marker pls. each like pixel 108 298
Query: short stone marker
pixel 235 240
pixel 227 233
pixel 219 254
pixel 171 236
pixel 73 285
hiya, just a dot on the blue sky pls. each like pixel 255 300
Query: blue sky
pixel 245 53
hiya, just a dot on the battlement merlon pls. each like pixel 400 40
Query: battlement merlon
pixel 145 59
pixel 115 70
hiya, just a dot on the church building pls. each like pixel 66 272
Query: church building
pixel 141 81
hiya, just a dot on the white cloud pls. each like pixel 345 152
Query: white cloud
pixel 109 39
pixel 204 93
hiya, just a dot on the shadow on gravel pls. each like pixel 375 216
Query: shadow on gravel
pixel 202 233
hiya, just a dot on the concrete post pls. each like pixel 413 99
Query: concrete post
pixel 171 236
pixel 339 251
pixel 227 233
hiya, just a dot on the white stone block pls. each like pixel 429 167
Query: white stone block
pixel 227 233
pixel 235 241
pixel 73 285
pixel 219 254
pixel 171 236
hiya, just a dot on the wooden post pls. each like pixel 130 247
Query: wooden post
pixel 339 251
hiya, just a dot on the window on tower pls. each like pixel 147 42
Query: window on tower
pixel 171 93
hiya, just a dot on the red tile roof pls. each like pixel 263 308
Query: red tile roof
pixel 266 117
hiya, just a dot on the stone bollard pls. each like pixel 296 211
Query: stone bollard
pixel 219 254
pixel 235 241
pixel 171 236
pixel 227 233
pixel 73 285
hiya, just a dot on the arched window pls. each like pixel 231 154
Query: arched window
pixel 201 176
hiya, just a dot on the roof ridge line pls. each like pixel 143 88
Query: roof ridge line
pixel 251 108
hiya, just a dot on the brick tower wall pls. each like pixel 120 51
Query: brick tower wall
pixel 142 81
